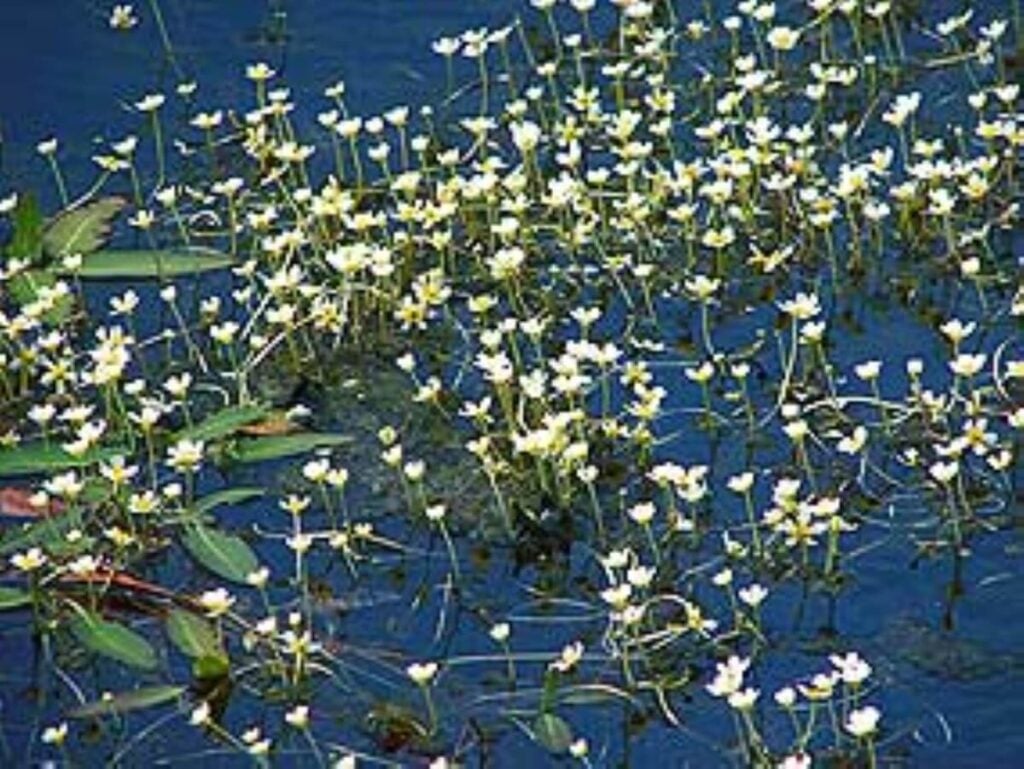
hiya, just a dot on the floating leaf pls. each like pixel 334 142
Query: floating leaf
pixel 125 702
pixel 13 598
pixel 194 636
pixel 228 497
pixel 211 666
pixel 552 732
pixel 226 555
pixel 141 265
pixel 81 230
pixel 114 640
pixel 38 457
pixel 223 423
pixel 277 446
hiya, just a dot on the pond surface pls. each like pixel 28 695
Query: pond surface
pixel 944 633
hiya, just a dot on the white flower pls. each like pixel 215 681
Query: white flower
pixel 30 560
pixel 216 602
pixel 863 722
pixel 569 658
pixel 55 735
pixel 186 455
pixel 500 632
pixel 801 307
pixel 200 715
pixel 753 595
pixel 422 673
pixel 642 513
pixel 150 102
pixel 122 17
pixel 298 716
pixel 783 38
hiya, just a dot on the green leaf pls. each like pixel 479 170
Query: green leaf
pixel 277 446
pixel 194 636
pixel 114 640
pixel 125 702
pixel 210 666
pixel 226 555
pixel 552 732
pixel 27 242
pixel 228 497
pixel 223 423
pixel 13 598
pixel 50 531
pixel 39 458
pixel 81 230
pixel 142 265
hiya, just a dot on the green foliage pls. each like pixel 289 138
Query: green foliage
pixel 27 219
pixel 39 458
pixel 233 496
pixel 264 448
pixel 552 732
pixel 143 698
pixel 13 598
pixel 194 636
pixel 114 640
pixel 152 264
pixel 226 555
pixel 81 230
pixel 223 423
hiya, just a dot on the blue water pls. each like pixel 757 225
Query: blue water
pixel 65 74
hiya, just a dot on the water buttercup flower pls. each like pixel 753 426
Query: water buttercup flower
pixel 422 673
pixel 122 17
pixel 863 722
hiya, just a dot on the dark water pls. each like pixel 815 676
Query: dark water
pixel 65 73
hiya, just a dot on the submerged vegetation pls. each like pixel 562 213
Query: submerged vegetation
pixel 579 405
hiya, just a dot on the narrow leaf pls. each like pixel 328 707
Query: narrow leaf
pixel 228 497
pixel 223 423
pixel 37 457
pixel 125 702
pixel 144 265
pixel 277 446
pixel 194 636
pixel 114 640
pixel 226 555
pixel 552 732
pixel 13 598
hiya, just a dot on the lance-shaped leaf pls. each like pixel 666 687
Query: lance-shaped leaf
pixel 13 598
pixel 194 636
pixel 267 447
pixel 37 457
pixel 226 555
pixel 125 702
pixel 114 640
pixel 152 264
pixel 233 496
pixel 552 732
pixel 225 422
